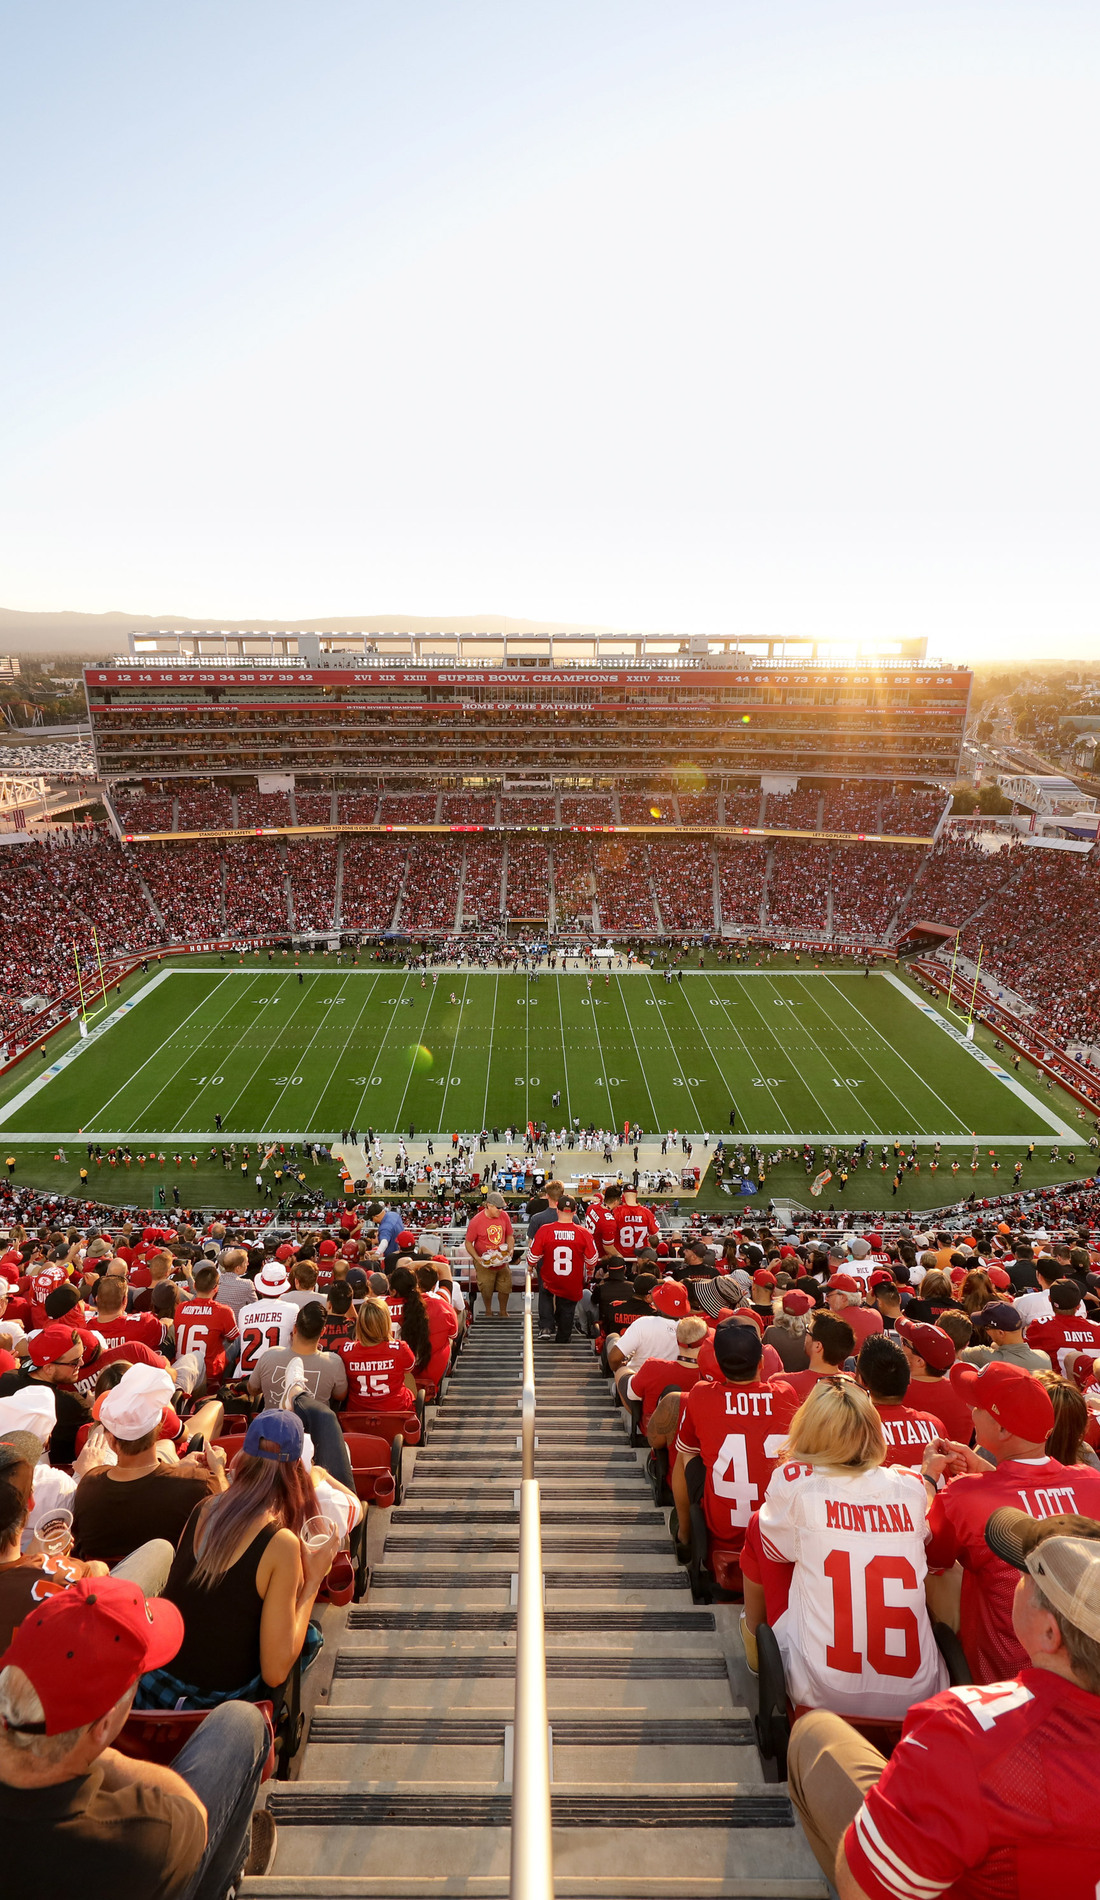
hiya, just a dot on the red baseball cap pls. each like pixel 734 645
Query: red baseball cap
pixel 406 1239
pixel 52 1343
pixel 285 1252
pixel 998 1278
pixel 670 1298
pixel 880 1277
pixel 933 1346
pixel 83 1648
pixel 843 1283
pixel 763 1278
pixel 1012 1396
pixel 326 1250
pixel 795 1302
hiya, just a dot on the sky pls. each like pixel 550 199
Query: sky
pixel 728 318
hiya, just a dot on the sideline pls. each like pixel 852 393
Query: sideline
pixel 988 1063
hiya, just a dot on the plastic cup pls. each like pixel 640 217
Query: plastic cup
pixel 54 1533
pixel 318 1531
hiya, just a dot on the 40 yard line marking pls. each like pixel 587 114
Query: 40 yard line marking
pixel 565 1061
pixel 638 1053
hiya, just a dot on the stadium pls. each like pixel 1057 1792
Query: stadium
pixel 547 1077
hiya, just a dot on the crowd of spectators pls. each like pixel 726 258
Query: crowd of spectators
pixel 407 808
pixel 203 807
pixel 263 808
pixel 533 810
pixel 644 808
pixel 528 893
pixel 797 811
pixel 622 886
pixel 574 880
pixel 255 886
pixel 357 808
pixel 311 867
pixel 483 870
pixel 742 870
pixel 373 870
pixel 683 881
pixel 431 885
pixel 469 808
pixel 313 808
pixel 185 883
pixel 145 812
pixel 698 808
pixel 798 888
pixel 586 809
pixel 868 884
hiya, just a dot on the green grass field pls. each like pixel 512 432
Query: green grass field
pixel 828 1054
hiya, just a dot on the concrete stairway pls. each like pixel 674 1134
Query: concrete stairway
pixel 404 1787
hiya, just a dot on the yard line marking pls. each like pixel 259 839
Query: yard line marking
pixel 723 1078
pixel 300 1060
pixel 879 1037
pixel 268 1050
pixel 419 1040
pixel 906 1107
pixel 744 1044
pixel 638 1053
pixel 195 1055
pixel 376 975
pixel 159 1052
pixel 373 1064
pixel 489 1066
pixel 1018 1089
pixel 680 1066
pixel 779 1045
pixel 34 1088
pixel 451 1058
pixel 603 1070
pixel 565 1059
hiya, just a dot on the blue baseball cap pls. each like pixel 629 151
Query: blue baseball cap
pixel 278 1436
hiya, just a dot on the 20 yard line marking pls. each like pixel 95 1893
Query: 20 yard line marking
pixel 299 1061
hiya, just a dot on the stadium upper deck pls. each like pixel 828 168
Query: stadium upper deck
pixel 561 713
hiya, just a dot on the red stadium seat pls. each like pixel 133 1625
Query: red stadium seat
pixel 157 1735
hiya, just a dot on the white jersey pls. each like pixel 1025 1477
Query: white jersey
pixel 264 1324
pixel 855 1635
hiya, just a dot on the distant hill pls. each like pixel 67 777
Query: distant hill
pixel 95 635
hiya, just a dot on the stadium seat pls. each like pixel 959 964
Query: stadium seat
pixel 657 1471
pixel 376 1467
pixel 157 1735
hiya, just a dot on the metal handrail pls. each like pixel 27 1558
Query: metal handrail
pixel 532 1870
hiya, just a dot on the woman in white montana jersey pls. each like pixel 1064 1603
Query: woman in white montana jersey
pixel 855 1635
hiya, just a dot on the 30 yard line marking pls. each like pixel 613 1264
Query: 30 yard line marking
pixel 332 1074
pixel 638 1053
pixel 419 1042
pixel 371 1068
pixel 680 1066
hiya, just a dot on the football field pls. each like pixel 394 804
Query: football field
pixel 816 1054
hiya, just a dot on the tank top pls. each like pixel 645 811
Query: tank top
pixel 221 1624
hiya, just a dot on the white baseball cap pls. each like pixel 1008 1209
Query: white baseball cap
pixel 33 1410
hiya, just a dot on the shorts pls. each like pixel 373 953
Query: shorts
pixel 492 1280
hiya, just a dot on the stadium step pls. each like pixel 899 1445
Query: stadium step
pixel 403 1788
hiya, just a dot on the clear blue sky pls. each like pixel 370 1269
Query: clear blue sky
pixel 760 317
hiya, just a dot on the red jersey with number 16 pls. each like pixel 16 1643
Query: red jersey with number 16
pixel 563 1255
pixel 737 1430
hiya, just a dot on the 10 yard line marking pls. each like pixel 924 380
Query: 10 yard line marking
pixel 159 1051
pixel 268 1052
pixel 909 1116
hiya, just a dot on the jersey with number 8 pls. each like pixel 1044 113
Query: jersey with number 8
pixel 855 1636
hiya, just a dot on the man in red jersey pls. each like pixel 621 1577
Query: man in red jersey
pixel 1013 1416
pixel 731 1429
pixel 994 1793
pixel 931 1355
pixel 829 1342
pixel 115 1325
pixel 635 1226
pixel 1065 1334
pixel 563 1255
pixel 601 1220
pixel 884 1376
pixel 206 1326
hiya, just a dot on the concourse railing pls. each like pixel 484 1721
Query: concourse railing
pixel 532 1869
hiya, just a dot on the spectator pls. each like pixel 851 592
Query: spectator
pixel 845 1299
pixel 142 1496
pixel 54 1358
pixel 657 1379
pixel 1067 1442
pixel 235 1289
pixel 789 1330
pixel 885 1377
pixel 303 1378
pixel 999 1791
pixel 931 1355
pixel 303 1283
pixel 380 1370
pixel 651 1336
pixel 1003 1327
pixel 830 1481
pixel 1067 1331
pixel 489 1241
pixel 1013 1419
pixel 729 1433
pixel 90 1819
pixel 206 1327
pixel 243 1582
pixel 829 1343
pixel 442 1323
pixel 562 1256
pixel 340 1321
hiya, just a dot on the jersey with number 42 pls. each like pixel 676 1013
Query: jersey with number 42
pixel 855 1635
pixel 737 1430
